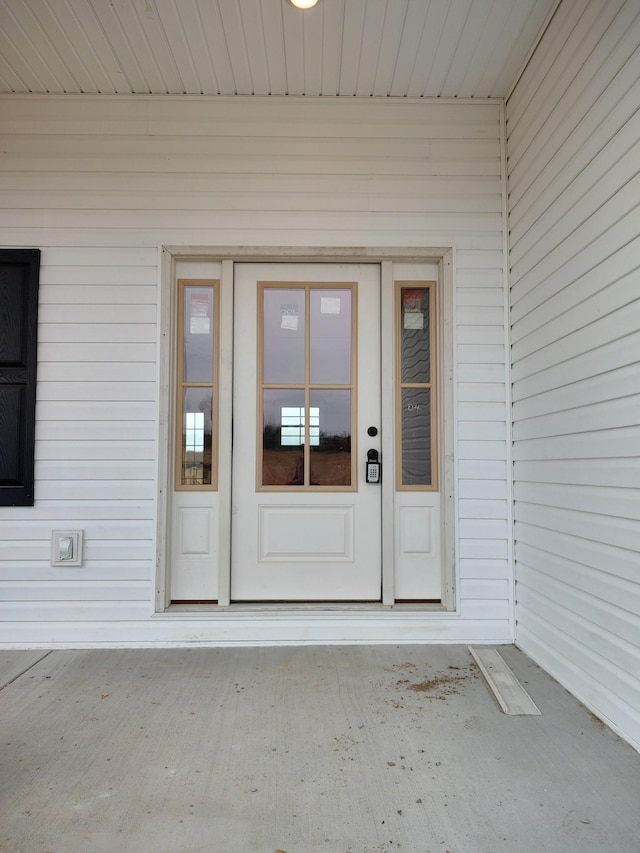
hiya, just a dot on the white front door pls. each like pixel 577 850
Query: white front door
pixel 306 525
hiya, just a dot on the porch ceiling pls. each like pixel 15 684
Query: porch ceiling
pixel 415 48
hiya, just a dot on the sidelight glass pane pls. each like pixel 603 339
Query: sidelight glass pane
pixel 283 437
pixel 198 343
pixel 283 324
pixel 196 463
pixel 330 416
pixel 416 436
pixel 330 336
pixel 415 354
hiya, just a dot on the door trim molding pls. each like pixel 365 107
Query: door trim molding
pixel 385 256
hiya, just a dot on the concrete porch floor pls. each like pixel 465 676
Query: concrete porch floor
pixel 338 749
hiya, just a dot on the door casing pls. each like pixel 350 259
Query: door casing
pixel 386 257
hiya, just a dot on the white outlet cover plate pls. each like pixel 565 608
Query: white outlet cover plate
pixel 77 537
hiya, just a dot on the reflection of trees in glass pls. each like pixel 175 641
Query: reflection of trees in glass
pixel 338 443
pixel 271 437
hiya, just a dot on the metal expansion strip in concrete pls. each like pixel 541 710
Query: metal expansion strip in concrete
pixel 511 695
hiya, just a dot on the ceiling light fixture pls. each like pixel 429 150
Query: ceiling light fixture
pixel 304 4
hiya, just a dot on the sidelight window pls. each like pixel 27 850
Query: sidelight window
pixel 416 467
pixel 197 385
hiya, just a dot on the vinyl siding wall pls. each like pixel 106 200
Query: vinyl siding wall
pixel 573 130
pixel 99 184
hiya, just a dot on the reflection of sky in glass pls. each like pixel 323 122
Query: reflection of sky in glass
pixel 283 334
pixel 198 334
pixel 334 408
pixel 330 337
pixel 284 321
pixel 275 399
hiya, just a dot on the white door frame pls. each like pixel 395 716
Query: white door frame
pixel 386 257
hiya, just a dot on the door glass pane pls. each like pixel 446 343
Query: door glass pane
pixel 414 335
pixel 416 436
pixel 330 336
pixel 283 437
pixel 330 438
pixel 197 408
pixel 198 334
pixel 283 336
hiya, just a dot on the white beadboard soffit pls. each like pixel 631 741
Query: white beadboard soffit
pixel 364 48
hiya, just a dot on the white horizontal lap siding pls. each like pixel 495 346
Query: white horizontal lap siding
pixel 573 143
pixel 98 183
pixel 485 578
pixel 95 445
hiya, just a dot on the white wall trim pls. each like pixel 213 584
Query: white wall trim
pixel 233 99
pixel 163 409
pixel 543 29
pixel 225 434
pixel 388 438
pixel 252 626
pixel 507 364
pixel 330 254
pixel 449 414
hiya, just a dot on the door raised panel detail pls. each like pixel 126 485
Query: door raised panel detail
pixel 195 529
pixel 311 533
pixel 194 551
pixel 415 531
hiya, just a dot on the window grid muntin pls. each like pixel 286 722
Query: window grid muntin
pixel 307 386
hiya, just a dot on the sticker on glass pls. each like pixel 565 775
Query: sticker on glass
pixel 289 316
pixel 414 320
pixel 329 304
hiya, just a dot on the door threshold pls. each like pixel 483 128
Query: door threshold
pixel 293 606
